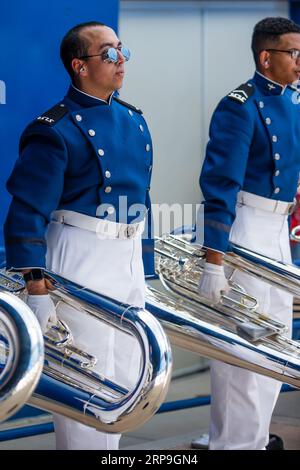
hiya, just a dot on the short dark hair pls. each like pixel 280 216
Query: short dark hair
pixel 267 33
pixel 75 45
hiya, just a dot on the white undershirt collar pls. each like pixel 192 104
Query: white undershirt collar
pixel 94 97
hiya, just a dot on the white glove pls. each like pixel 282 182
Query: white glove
pixel 213 282
pixel 44 310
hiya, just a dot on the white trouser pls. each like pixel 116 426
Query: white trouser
pixel 242 401
pixel 114 268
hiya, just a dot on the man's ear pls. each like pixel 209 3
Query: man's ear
pixel 264 60
pixel 78 67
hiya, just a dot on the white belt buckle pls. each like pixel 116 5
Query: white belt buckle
pixel 126 232
pixel 288 210
pixel 130 231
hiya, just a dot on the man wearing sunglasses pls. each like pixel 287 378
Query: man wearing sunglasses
pixel 82 179
pixel 249 179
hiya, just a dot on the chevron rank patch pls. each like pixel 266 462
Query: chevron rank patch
pixel 242 93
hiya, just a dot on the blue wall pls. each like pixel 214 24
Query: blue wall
pixel 295 10
pixel 32 79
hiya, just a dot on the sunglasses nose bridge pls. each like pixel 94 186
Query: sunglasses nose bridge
pixel 121 57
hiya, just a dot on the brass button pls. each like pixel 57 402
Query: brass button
pixel 92 132
pixel 107 189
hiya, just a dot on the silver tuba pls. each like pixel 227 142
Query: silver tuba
pixel 223 331
pixel 215 331
pixel 70 385
pixel 21 353
pixel 294 235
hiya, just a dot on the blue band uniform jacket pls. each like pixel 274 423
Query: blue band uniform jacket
pixel 254 146
pixel 83 153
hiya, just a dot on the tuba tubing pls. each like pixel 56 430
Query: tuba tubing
pixel 190 322
pixel 278 273
pixel 294 235
pixel 183 324
pixel 90 398
pixel 22 360
pixel 214 330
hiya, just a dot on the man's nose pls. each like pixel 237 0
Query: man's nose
pixel 121 58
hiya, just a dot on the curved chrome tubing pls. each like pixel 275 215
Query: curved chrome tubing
pixel 294 235
pixel 74 390
pixel 22 357
pixel 282 275
pixel 218 330
pixel 190 321
pixel 197 329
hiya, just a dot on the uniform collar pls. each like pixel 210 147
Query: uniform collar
pixel 268 86
pixel 84 99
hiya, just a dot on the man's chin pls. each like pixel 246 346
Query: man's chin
pixel 119 86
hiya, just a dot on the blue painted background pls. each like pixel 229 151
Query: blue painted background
pixel 30 67
pixel 294 6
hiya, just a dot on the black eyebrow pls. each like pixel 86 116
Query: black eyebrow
pixel 109 44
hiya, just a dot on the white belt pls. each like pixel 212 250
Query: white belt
pixel 265 204
pixel 102 227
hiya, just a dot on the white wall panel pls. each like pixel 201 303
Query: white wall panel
pixel 185 57
pixel 163 78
